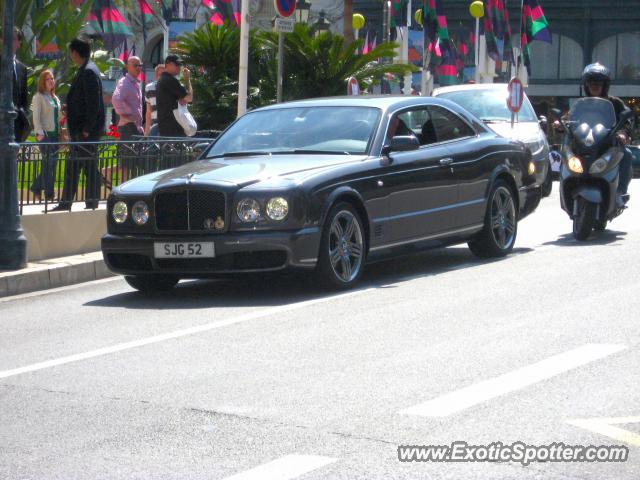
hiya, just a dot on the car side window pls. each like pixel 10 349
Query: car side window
pixel 449 126
pixel 416 122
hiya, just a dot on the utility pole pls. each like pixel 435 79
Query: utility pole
pixel 13 244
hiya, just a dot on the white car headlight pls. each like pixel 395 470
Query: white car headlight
pixel 277 208
pixel 140 213
pixel 248 210
pixel 120 212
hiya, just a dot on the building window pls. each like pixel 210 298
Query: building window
pixel 156 53
pixel 622 52
pixel 560 60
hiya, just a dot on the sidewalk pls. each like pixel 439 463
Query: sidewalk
pixel 64 248
pixel 52 273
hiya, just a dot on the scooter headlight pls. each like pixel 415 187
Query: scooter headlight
pixel 575 164
pixel 598 166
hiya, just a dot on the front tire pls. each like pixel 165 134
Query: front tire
pixel 342 248
pixel 152 283
pixel 585 219
pixel 500 224
pixel 547 186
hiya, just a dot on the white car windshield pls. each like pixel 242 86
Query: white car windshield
pixel 489 105
pixel 309 129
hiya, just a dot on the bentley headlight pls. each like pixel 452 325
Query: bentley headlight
pixel 575 165
pixel 140 213
pixel 120 212
pixel 248 210
pixel 532 168
pixel 277 208
pixel 598 166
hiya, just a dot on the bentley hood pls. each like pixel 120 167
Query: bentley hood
pixel 241 171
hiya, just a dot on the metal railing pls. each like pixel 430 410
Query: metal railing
pixel 54 173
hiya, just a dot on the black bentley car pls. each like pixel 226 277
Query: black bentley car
pixel 326 185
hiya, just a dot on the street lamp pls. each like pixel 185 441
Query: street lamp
pixel 13 244
pixel 322 24
pixel 302 11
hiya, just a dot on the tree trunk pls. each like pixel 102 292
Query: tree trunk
pixel 348 21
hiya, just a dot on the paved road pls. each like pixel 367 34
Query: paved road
pixel 277 379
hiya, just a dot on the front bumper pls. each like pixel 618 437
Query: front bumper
pixel 259 251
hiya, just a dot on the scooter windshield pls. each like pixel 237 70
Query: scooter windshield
pixel 594 112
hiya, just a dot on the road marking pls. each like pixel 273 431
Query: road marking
pixel 605 426
pixel 480 392
pixel 284 468
pixel 176 334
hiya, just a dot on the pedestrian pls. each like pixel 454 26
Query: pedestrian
pixel 170 92
pixel 150 94
pixel 85 121
pixel 21 127
pixel 47 113
pixel 127 102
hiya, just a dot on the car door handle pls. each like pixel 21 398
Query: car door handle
pixel 446 161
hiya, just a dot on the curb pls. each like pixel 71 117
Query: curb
pixel 53 273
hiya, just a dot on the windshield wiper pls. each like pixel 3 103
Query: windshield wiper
pixel 314 152
pixel 240 154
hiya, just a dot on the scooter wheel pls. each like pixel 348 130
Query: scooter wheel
pixel 600 226
pixel 585 219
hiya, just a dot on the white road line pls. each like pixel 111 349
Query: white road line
pixel 284 468
pixel 176 334
pixel 474 394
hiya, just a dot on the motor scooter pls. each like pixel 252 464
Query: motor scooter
pixel 590 168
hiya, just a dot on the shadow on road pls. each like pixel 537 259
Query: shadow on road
pixel 596 238
pixel 283 288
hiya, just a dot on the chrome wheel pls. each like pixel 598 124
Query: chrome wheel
pixel 346 246
pixel 503 218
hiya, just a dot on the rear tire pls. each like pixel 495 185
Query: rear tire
pixel 500 224
pixel 152 283
pixel 585 220
pixel 342 248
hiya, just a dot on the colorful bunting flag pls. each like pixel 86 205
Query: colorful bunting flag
pixel 224 10
pixel 534 27
pixel 146 12
pixel 497 31
pixel 107 21
pixel 399 13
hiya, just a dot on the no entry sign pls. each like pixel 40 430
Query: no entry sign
pixel 516 95
pixel 285 8
pixel 353 88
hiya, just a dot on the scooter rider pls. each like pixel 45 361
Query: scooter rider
pixel 595 82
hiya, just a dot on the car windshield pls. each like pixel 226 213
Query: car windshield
pixel 489 105
pixel 316 129
pixel 593 111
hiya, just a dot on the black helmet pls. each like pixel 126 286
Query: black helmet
pixel 599 73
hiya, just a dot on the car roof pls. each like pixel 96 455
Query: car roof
pixel 470 86
pixel 384 102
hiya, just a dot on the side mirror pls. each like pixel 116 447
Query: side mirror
pixel 401 143
pixel 542 121
pixel 556 113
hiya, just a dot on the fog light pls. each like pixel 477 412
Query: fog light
pixel 532 168
pixel 120 212
pixel 277 208
pixel 575 165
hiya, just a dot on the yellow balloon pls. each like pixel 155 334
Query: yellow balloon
pixel 476 9
pixel 357 21
pixel 418 16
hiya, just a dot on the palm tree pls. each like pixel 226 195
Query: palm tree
pixel 319 65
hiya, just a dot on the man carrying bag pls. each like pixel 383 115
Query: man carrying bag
pixel 170 94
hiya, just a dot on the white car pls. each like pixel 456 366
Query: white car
pixel 488 102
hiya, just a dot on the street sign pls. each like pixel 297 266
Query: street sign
pixel 353 87
pixel 284 25
pixel 516 95
pixel 285 8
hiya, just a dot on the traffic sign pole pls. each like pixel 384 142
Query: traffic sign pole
pixel 284 8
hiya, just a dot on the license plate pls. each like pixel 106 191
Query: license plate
pixel 183 250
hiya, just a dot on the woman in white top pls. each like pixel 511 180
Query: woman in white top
pixel 46 110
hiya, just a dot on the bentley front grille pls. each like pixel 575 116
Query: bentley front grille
pixel 190 210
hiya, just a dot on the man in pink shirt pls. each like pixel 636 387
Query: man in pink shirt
pixel 127 102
